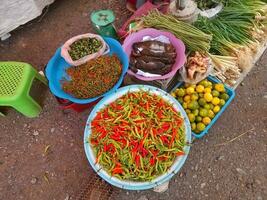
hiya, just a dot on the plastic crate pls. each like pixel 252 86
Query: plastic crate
pixel 231 94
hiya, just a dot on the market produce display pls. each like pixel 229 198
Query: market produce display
pixel 93 78
pixel 154 57
pixel 84 47
pixel 237 33
pixel 137 137
pixel 202 102
pixel 194 39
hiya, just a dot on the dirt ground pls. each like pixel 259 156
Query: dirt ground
pixel 235 170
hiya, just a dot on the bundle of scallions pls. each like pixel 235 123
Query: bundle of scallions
pixel 194 39
pixel 236 31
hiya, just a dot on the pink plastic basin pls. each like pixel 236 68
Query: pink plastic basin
pixel 178 44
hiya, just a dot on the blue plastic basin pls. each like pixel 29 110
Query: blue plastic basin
pixel 56 72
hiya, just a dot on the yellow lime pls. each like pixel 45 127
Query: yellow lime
pixel 208 97
pixel 193 126
pixel 206 120
pixel 203 112
pixel 202 101
pixel 196 131
pixel 200 88
pixel 222 102
pixel 211 114
pixel 187 98
pixel 193 105
pixel 195 112
pixel 219 87
pixel 215 93
pixel 173 94
pixel 201 126
pixel 224 96
pixel 207 90
pixel 216 109
pixel 190 90
pixel 194 97
pixel 180 92
pixel 191 117
pixel 185 105
pixel 215 101
pixel 198 119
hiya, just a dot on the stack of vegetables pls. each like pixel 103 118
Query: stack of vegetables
pixel 237 31
pixel 137 137
pixel 231 38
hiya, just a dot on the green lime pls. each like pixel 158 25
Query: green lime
pixel 193 105
pixel 222 102
pixel 195 112
pixel 188 111
pixel 201 95
pixel 194 97
pixel 198 119
pixel 215 93
pixel 204 83
pixel 180 99
pixel 203 112
pixel 180 92
pixel 202 101
pixel 185 105
pixel 193 126
pixel 201 126
pixel 224 96
pixel 211 106
pixel 207 106
pixel 211 114
pixel 191 117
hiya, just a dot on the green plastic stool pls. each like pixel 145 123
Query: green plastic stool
pixel 16 79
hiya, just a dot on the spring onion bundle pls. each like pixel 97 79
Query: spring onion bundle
pixel 194 39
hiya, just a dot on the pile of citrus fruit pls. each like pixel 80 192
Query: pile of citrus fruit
pixel 201 102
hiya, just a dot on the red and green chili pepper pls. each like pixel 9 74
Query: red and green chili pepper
pixel 138 136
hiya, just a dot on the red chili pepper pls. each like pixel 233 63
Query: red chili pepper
pixel 180 153
pixel 117 170
pixel 163 158
pixel 164 139
pixel 152 161
pixel 160 114
pixel 137 160
pixel 94 142
pixel 174 133
pixel 144 152
pixel 165 126
pixel 140 121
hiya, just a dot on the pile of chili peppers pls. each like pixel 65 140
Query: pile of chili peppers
pixel 93 78
pixel 137 137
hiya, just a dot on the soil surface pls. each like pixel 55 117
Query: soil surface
pixel 43 158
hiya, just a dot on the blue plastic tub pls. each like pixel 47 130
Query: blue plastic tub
pixel 231 94
pixel 56 72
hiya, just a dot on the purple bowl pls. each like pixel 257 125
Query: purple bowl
pixel 178 44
